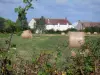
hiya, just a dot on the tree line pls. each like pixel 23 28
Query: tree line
pixel 92 29
pixel 6 25
pixel 9 26
pixel 21 23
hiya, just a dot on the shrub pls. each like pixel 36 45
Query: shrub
pixel 19 33
pixel 92 29
pixel 13 45
pixel 33 30
pixel 52 32
pixel 71 29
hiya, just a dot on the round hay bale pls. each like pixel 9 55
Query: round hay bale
pixel 88 33
pixel 95 33
pixel 76 39
pixel 27 34
pixel 62 33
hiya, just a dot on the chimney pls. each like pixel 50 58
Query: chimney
pixel 79 21
pixel 48 20
pixel 67 21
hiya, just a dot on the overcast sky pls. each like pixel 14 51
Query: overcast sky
pixel 74 10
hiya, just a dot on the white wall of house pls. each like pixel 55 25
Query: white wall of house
pixel 77 25
pixel 58 27
pixel 32 23
pixel 48 27
pixel 54 27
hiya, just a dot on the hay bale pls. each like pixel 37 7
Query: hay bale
pixel 27 34
pixel 95 33
pixel 62 33
pixel 76 39
pixel 88 33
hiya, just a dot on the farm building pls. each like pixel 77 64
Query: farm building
pixel 80 25
pixel 55 24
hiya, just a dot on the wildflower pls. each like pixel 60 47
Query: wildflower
pixel 73 53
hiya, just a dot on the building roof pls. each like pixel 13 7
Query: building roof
pixel 90 24
pixel 55 21
pixel 83 24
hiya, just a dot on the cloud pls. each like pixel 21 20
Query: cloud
pixel 72 9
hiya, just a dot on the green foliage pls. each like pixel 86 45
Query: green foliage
pixel 42 73
pixel 33 30
pixel 78 65
pixel 22 11
pixel 88 64
pixel 93 44
pixel 71 29
pixel 92 29
pixel 2 20
pixel 40 25
pixel 5 67
pixel 4 36
pixel 6 25
pixel 52 32
pixel 19 33
pixel 13 45
pixel 9 26
pixel 18 25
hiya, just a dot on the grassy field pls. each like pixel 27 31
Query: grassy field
pixel 29 48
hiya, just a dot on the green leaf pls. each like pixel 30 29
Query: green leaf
pixel 40 73
pixel 48 65
pixel 59 54
pixel 33 60
pixel 16 9
pixel 25 1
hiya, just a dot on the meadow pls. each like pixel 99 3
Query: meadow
pixel 48 44
pixel 28 49
pixel 40 43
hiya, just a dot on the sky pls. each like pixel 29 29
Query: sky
pixel 73 10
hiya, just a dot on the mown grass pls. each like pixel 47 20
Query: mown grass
pixel 38 44
pixel 26 48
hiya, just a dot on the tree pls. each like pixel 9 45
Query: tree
pixel 22 11
pixel 2 20
pixel 88 29
pixel 18 25
pixel 92 29
pixel 9 26
pixel 40 25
